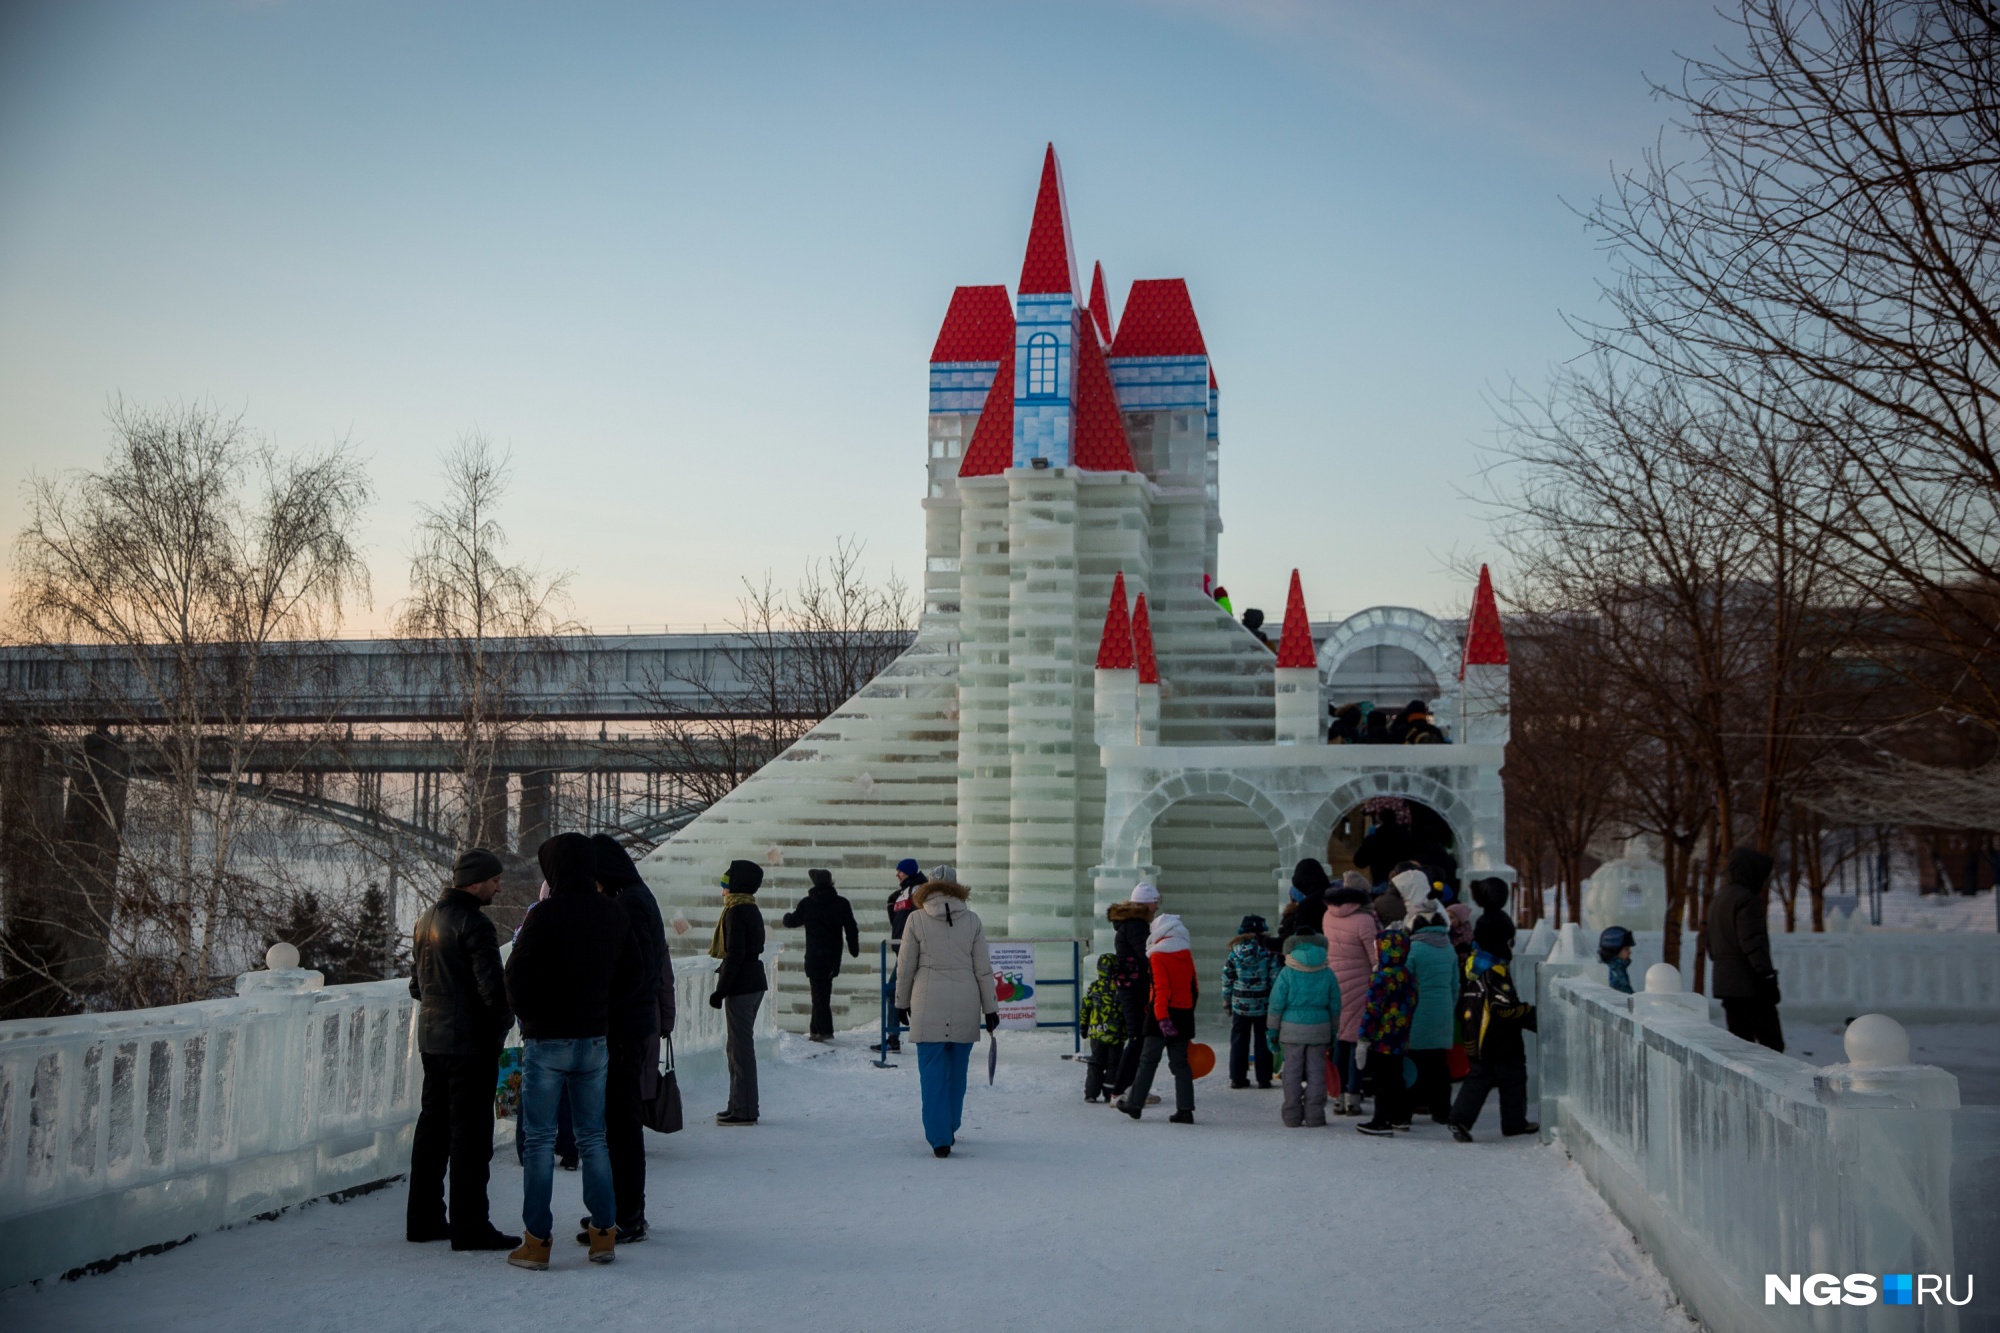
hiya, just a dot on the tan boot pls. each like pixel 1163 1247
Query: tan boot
pixel 603 1244
pixel 534 1252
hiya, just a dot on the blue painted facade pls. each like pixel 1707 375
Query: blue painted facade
pixel 960 386
pixel 1160 383
pixel 1043 426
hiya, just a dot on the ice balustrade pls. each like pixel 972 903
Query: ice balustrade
pixel 1915 975
pixel 1730 1161
pixel 127 1131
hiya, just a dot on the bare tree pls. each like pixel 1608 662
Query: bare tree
pixel 174 584
pixel 485 630
pixel 792 659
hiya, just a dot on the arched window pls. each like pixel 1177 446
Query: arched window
pixel 1042 366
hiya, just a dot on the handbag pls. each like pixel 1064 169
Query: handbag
pixel 663 1107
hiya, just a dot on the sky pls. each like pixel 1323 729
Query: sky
pixel 686 262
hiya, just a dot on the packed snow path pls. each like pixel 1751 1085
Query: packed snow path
pixel 1051 1214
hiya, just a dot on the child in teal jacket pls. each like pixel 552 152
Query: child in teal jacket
pixel 1303 1010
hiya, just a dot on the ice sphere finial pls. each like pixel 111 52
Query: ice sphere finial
pixel 281 957
pixel 1877 1040
pixel 1663 979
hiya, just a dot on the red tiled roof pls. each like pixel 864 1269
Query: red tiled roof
pixel 978 326
pixel 1097 428
pixel 1142 643
pixel 1100 308
pixel 1212 385
pixel 1159 321
pixel 992 449
pixel 1048 267
pixel 1485 645
pixel 1114 650
pixel 1295 644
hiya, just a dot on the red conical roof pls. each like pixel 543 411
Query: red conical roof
pixel 1114 650
pixel 1485 645
pixel 992 449
pixel 1142 644
pixel 1295 646
pixel 1100 308
pixel 1048 266
pixel 1159 321
pixel 978 326
pixel 1097 427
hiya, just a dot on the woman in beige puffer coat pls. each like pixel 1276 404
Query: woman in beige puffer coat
pixel 945 994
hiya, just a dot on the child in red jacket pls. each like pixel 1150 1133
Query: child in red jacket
pixel 1170 1019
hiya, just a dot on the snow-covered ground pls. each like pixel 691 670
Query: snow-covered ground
pixel 1051 1214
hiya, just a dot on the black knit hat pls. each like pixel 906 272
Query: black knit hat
pixel 1252 925
pixel 1490 893
pixel 743 877
pixel 475 865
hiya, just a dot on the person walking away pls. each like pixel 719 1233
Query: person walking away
pixel 1169 1019
pixel 826 917
pixel 1350 951
pixel 1103 1019
pixel 944 994
pixel 1247 972
pixel 1739 949
pixel 1305 1004
pixel 631 1042
pixel 1385 1027
pixel 901 903
pixel 573 954
pixel 1131 923
pixel 1614 950
pixel 1434 968
pixel 1492 1018
pixel 1308 900
pixel 740 985
pixel 462 1018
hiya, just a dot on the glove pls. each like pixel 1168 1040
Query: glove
pixel 993 1022
pixel 1769 986
pixel 1168 1030
pixel 1360 1055
pixel 715 1001
pixel 902 1018
pixel 1271 1040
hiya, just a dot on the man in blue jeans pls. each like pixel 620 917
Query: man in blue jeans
pixel 573 953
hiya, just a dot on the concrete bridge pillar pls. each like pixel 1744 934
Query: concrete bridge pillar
pixel 538 812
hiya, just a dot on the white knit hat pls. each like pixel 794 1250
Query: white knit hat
pixel 1142 892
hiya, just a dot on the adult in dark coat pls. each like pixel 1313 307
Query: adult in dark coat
pixel 462 1017
pixel 909 878
pixel 826 918
pixel 634 1027
pixel 740 985
pixel 572 959
pixel 1307 910
pixel 1131 922
pixel 1739 952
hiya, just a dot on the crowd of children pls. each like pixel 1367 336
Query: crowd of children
pixel 1394 992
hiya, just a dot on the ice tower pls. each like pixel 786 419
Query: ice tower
pixel 1073 463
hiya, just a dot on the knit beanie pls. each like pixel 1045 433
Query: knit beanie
pixel 907 866
pixel 1252 925
pixel 475 865
pixel 743 877
pixel 1389 906
pixel 1612 942
pixel 944 874
pixel 1142 892
pixel 1490 893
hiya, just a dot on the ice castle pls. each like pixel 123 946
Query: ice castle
pixel 1076 711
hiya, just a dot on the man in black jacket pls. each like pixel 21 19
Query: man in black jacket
pixel 634 1021
pixel 740 984
pixel 826 916
pixel 573 954
pixel 1739 949
pixel 462 1018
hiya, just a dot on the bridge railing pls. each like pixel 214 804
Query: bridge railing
pixel 1731 1162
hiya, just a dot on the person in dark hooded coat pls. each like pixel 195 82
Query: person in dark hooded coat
pixel 1739 949
pixel 1308 894
pixel 637 1012
pixel 826 917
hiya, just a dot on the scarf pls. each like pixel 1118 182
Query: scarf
pixel 729 900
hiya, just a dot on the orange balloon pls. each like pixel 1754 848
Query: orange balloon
pixel 1201 1059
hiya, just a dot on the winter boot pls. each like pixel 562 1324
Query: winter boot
pixel 1239 1083
pixel 1181 1118
pixel 1517 1133
pixel 1379 1129
pixel 534 1253
pixel 1461 1133
pixel 603 1245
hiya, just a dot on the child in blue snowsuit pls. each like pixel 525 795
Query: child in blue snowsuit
pixel 1247 974
pixel 1614 950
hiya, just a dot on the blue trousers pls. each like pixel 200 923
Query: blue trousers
pixel 941 1070
pixel 550 1070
